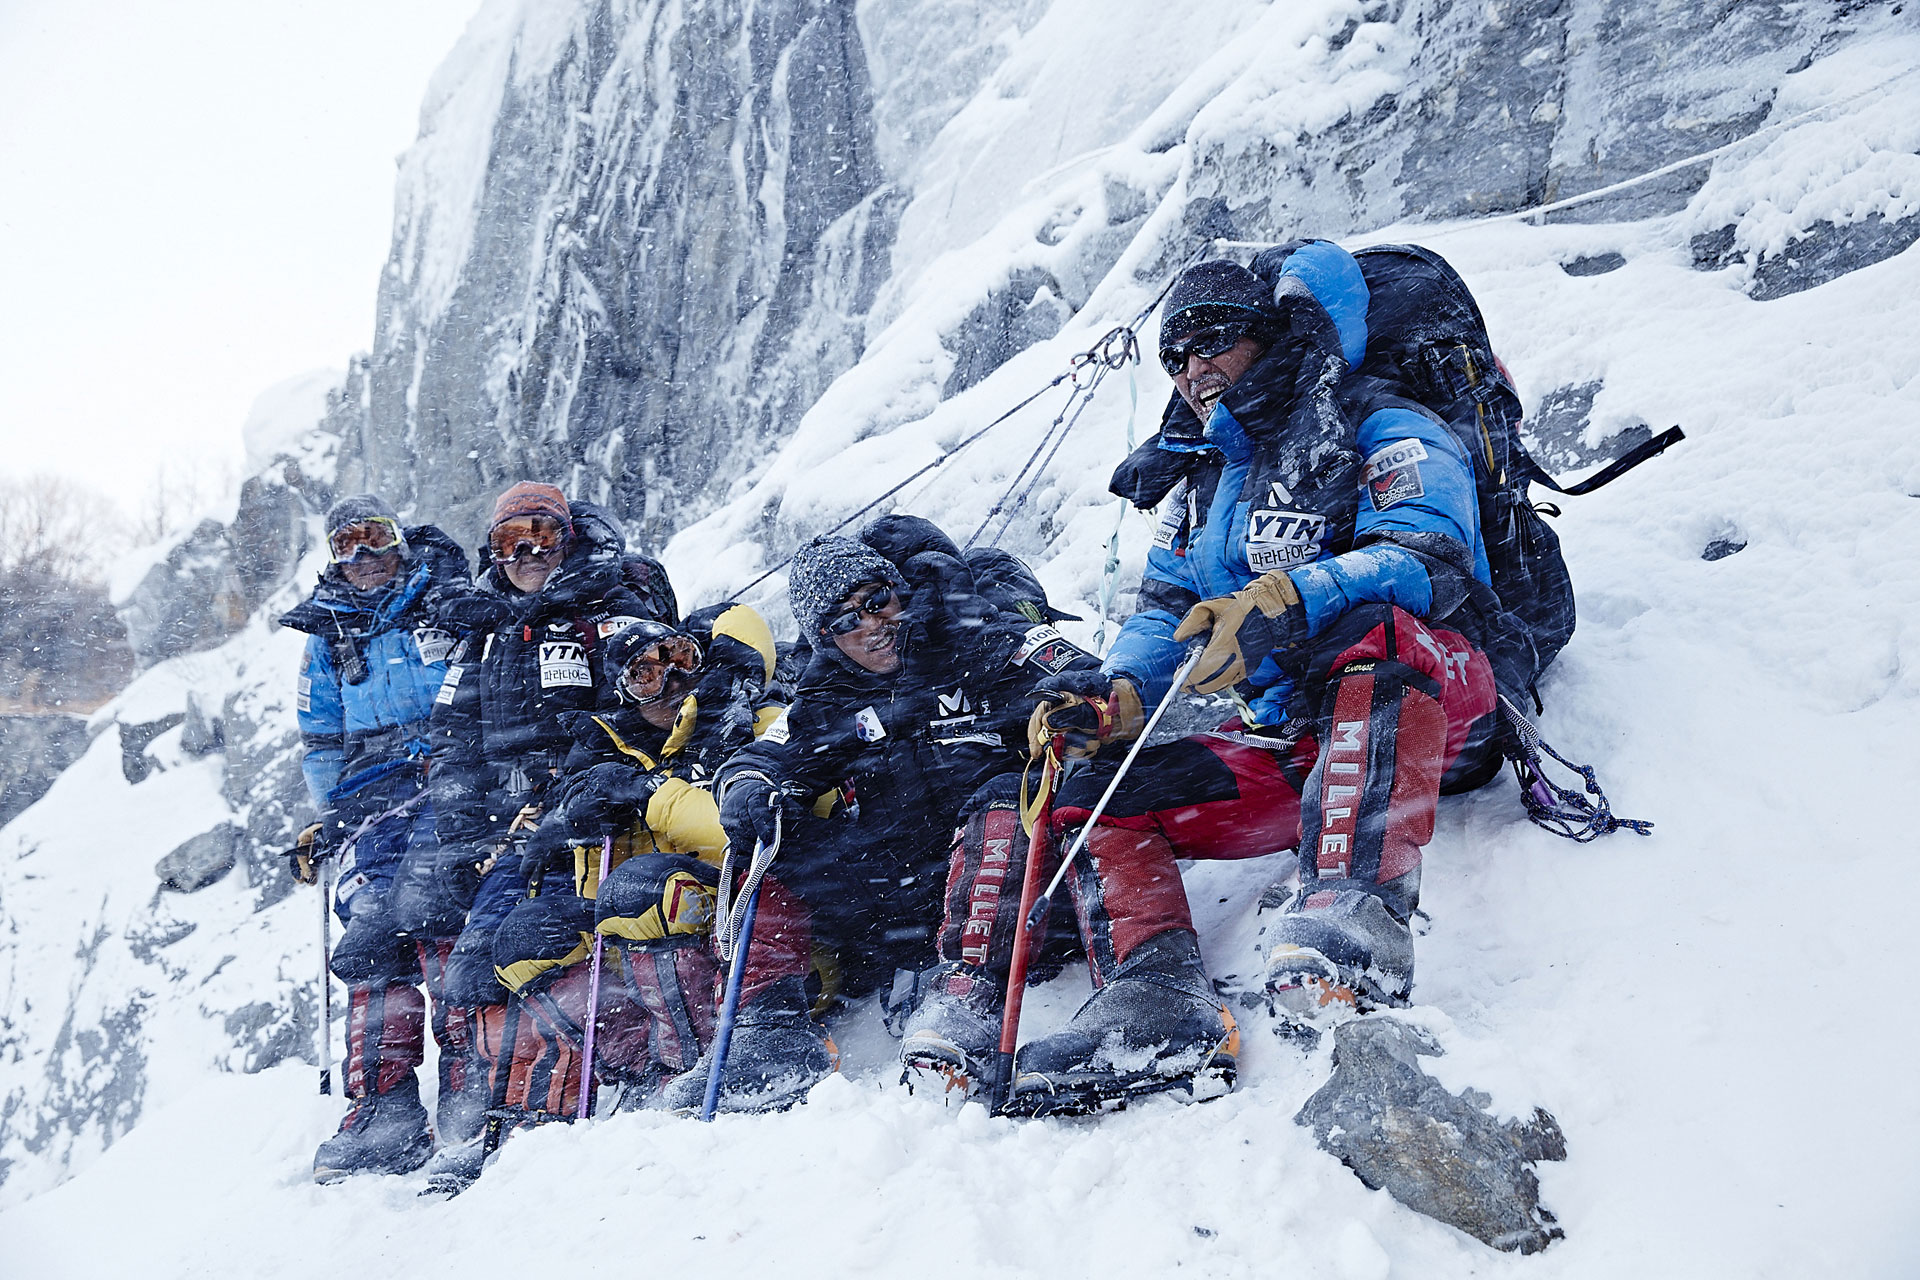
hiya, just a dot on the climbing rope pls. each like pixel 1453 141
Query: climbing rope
pixel 1571 814
pixel 1110 571
pixel 1100 359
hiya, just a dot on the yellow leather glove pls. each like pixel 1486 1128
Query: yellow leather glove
pixel 1088 708
pixel 1243 630
pixel 305 859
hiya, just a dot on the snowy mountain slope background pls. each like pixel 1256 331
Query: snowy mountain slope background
pixel 1704 1010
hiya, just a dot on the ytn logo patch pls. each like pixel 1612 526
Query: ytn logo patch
pixel 563 664
pixel 1282 539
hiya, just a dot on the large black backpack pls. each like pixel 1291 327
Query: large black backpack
pixel 1426 337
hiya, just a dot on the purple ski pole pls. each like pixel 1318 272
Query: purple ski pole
pixel 593 990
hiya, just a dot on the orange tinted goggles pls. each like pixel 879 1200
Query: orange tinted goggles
pixel 365 537
pixel 644 678
pixel 535 536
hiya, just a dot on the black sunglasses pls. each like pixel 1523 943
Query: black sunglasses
pixel 842 623
pixel 1206 344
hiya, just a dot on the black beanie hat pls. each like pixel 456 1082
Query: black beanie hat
pixel 1210 293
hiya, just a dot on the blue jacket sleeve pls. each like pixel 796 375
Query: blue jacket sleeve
pixel 1417 531
pixel 1145 652
pixel 322 721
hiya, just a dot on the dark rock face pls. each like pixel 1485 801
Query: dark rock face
pixel 33 752
pixel 1597 264
pixel 1555 433
pixel 213 579
pixel 135 763
pixel 680 229
pixel 1028 310
pixel 1519 105
pixel 61 647
pixel 1828 252
pixel 199 862
pixel 1436 1153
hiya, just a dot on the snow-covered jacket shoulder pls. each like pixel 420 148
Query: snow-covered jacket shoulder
pixel 1359 495
pixel 372 665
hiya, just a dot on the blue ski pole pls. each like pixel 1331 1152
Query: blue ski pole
pixel 730 1008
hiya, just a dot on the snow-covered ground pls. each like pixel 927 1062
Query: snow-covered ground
pixel 1717 1014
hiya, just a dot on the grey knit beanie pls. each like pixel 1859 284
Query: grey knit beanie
pixel 826 571
pixel 358 507
pixel 364 506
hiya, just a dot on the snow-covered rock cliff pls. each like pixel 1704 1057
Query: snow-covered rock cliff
pixel 740 268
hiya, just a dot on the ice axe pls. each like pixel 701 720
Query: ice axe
pixel 1040 816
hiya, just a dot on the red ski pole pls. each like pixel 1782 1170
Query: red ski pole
pixel 1002 1087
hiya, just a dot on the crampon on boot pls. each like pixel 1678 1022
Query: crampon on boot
pixel 1155 1026
pixel 1336 954
pixel 383 1133
pixel 778 1053
pixel 951 1037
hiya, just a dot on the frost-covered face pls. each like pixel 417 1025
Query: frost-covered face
pixel 873 643
pixel 371 572
pixel 530 573
pixel 1206 378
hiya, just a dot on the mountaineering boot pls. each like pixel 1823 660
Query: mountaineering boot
pixel 952 1035
pixel 1336 953
pixel 463 1150
pixel 383 1133
pixel 1155 1025
pixel 385 1130
pixel 456 1167
pixel 777 1054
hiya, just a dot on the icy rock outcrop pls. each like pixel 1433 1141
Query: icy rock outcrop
pixel 200 861
pixel 634 243
pixel 209 583
pixel 1485 109
pixel 1442 1154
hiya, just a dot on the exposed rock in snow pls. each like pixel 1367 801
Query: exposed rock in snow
pixel 33 751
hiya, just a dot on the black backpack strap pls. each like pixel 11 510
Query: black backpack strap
pixel 1613 470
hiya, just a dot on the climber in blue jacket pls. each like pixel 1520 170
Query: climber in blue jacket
pixel 373 663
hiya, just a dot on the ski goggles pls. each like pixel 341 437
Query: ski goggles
pixel 374 537
pixel 535 537
pixel 1207 343
pixel 847 620
pixel 644 678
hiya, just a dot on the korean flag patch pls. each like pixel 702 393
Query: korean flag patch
pixel 867 726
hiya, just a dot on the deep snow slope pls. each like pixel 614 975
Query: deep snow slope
pixel 1713 1012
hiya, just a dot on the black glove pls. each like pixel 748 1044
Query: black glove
pixel 544 846
pixel 1090 707
pixel 748 804
pixel 607 798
